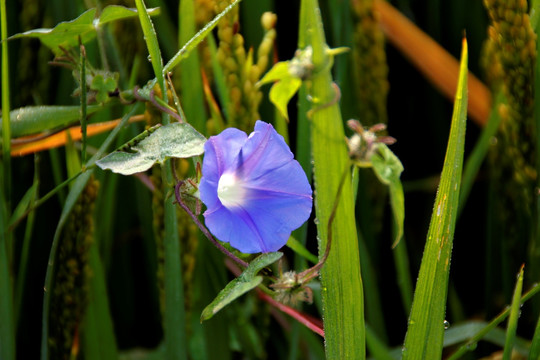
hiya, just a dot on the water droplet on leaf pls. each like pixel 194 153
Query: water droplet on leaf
pixel 446 324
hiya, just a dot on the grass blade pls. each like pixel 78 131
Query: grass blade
pixel 471 344
pixel 534 353
pixel 7 326
pixel 192 90
pixel 342 289
pixel 424 339
pixel 174 315
pixel 514 316
pixel 6 128
pixel 151 43
pixel 195 40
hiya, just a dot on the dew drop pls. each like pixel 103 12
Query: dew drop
pixel 149 58
pixel 446 324
pixel 45 288
pixel 316 221
pixel 471 346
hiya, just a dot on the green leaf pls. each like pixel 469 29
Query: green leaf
pixel 459 333
pixel 175 140
pixel 282 92
pixel 152 43
pixel 388 169
pixel 103 84
pixel 514 316
pixel 386 165
pixel 534 353
pixel 481 333
pixel 34 119
pixel 424 339
pixel 278 72
pixel 115 12
pixel 23 205
pixel 66 34
pixel 247 281
pixel 341 280
pixel 197 38
pixel 192 89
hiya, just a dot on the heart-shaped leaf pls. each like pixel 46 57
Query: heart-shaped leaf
pixel 176 140
pixel 247 281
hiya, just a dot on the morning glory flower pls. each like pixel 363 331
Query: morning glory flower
pixel 255 192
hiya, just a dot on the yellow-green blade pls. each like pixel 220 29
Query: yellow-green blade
pixel 341 282
pixel 425 332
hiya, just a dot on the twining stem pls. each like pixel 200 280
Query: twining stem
pixel 307 275
pixel 204 229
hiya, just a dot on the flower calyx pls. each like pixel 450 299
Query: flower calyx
pixel 364 142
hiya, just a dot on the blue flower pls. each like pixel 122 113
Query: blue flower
pixel 256 194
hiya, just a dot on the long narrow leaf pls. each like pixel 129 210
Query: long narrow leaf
pixel 174 316
pixel 471 344
pixel 514 316
pixel 424 339
pixel 342 293
pixel 7 326
pixel 192 90
pixel 151 42
pixel 32 144
pixel 534 353
pixel 34 119
pixel 195 40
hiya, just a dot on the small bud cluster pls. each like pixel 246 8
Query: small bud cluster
pixel 240 71
pixel 70 292
pixel 290 290
pixel 362 144
pixel 370 67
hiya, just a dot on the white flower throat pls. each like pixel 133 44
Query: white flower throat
pixel 230 190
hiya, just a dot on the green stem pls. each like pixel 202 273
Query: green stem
pixel 6 129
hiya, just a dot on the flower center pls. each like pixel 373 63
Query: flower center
pixel 230 190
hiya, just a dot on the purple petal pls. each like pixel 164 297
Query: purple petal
pixel 274 195
pixel 220 153
pixel 263 151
